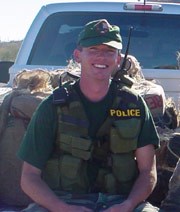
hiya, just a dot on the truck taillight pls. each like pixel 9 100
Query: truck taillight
pixel 143 7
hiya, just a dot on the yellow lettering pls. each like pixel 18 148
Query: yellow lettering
pixel 118 112
pixel 125 113
pixel 131 112
pixel 112 112
pixel 138 112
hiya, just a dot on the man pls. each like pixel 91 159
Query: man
pixel 93 140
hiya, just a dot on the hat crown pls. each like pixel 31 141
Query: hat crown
pixel 100 32
pixel 102 27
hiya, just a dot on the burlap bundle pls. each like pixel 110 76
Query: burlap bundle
pixel 16 110
pixel 154 96
pixel 33 80
pixel 10 165
pixel 23 106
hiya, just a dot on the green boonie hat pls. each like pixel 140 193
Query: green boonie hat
pixel 100 32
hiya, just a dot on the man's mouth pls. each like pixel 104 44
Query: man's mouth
pixel 100 66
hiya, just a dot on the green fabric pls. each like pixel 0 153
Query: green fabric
pixel 74 143
pixel 39 140
pixel 96 111
pixel 100 32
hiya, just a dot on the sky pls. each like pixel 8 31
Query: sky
pixel 16 17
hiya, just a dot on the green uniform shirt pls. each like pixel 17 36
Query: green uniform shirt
pixel 39 140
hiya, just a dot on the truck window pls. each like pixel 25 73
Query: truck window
pixel 155 38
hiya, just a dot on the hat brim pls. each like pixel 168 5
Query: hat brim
pixel 114 44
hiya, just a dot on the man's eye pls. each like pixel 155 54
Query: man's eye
pixel 92 49
pixel 111 52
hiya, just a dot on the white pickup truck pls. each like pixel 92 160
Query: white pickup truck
pixel 155 39
pixel 49 45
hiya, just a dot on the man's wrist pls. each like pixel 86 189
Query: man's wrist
pixel 59 206
pixel 130 204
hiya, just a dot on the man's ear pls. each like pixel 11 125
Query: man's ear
pixel 76 55
pixel 119 60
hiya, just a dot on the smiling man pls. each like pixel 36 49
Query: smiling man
pixel 90 146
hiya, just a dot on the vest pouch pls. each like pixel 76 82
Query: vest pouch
pixel 125 170
pixel 78 147
pixel 81 148
pixel 72 129
pixel 85 155
pixel 73 174
pixel 72 119
pixel 81 143
pixel 110 183
pixel 124 135
pixel 100 181
pixel 51 173
pixel 65 143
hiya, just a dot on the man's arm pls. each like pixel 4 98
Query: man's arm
pixel 145 182
pixel 38 190
pixel 147 178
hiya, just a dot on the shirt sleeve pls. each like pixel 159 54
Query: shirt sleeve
pixel 148 133
pixel 38 141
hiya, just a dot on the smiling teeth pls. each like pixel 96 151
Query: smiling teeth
pixel 99 66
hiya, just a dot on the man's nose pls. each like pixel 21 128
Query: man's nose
pixel 102 54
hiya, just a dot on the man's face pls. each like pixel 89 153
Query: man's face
pixel 98 62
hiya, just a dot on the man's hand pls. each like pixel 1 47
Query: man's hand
pixel 38 190
pixel 123 207
pixel 75 208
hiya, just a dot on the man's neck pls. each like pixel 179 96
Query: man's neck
pixel 94 91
